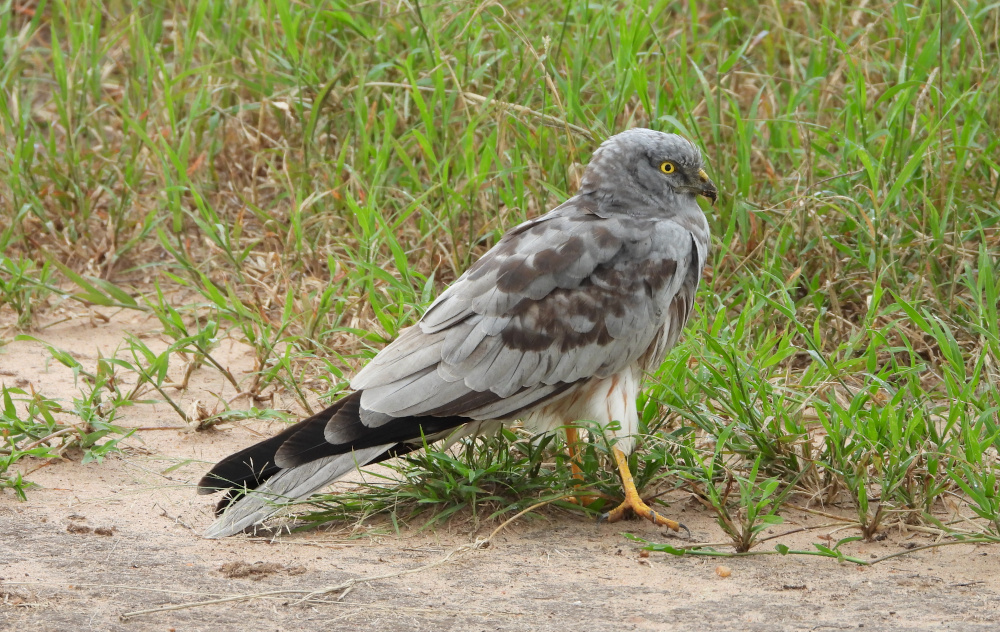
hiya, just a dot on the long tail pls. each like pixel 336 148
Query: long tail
pixel 263 478
pixel 286 486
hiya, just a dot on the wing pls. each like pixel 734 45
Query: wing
pixel 563 298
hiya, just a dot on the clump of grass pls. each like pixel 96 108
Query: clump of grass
pixel 23 286
pixel 41 430
pixel 484 478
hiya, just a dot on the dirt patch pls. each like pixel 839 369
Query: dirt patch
pixel 99 540
pixel 257 570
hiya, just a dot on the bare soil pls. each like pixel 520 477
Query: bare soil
pixel 96 541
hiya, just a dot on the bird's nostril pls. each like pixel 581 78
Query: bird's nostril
pixel 703 175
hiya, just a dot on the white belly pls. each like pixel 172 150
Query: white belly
pixel 600 400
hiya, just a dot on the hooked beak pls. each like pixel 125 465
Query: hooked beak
pixel 707 187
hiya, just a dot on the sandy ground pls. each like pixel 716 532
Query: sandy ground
pixel 100 540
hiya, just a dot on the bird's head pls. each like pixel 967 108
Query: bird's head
pixel 646 167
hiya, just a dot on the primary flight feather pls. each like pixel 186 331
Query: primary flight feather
pixel 558 322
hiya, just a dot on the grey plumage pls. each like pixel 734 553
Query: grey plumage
pixel 596 289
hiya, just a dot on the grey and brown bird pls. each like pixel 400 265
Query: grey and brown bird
pixel 559 322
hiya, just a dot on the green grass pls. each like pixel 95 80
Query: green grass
pixel 316 173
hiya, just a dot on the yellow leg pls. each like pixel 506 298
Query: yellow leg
pixel 632 499
pixel 573 447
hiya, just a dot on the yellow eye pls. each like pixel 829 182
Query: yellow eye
pixel 667 167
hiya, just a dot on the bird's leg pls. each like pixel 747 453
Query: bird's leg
pixel 632 499
pixel 573 447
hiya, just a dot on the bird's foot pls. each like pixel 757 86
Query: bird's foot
pixel 639 508
pixel 584 499
pixel 634 502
